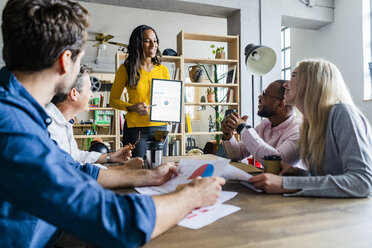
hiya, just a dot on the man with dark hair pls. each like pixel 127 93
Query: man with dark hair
pixel 64 107
pixel 276 135
pixel 43 190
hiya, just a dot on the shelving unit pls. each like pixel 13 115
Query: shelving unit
pixel 179 63
pixel 114 137
pixel 232 59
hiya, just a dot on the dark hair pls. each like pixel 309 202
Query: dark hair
pixel 78 85
pixel 37 32
pixel 281 89
pixel 136 55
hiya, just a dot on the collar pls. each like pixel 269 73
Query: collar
pixel 285 123
pixel 57 115
pixel 12 90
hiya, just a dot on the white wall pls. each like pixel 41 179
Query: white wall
pixel 121 21
pixel 341 43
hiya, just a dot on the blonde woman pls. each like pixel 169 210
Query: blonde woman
pixel 335 138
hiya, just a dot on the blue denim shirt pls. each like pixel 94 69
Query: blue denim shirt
pixel 43 190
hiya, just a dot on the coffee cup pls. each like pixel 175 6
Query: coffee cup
pixel 272 164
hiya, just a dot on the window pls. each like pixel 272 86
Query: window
pixel 367 29
pixel 286 53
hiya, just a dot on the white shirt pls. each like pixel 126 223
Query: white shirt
pixel 61 131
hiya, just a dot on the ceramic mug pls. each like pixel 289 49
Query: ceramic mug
pixel 196 73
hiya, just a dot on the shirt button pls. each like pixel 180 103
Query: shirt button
pixel 48 121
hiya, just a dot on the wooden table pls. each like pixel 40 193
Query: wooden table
pixel 277 221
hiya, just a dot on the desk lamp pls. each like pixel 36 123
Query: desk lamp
pixel 259 60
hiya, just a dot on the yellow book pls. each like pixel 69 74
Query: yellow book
pixel 188 123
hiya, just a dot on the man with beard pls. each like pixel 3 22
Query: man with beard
pixel 276 135
pixel 43 190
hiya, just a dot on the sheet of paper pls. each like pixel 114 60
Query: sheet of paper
pixel 199 218
pixel 166 98
pixel 233 173
pixel 188 169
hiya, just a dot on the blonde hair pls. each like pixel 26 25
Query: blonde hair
pixel 321 86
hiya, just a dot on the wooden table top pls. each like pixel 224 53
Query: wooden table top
pixel 277 221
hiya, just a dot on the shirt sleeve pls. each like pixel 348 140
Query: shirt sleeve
pixel 288 150
pixel 121 78
pixel 166 73
pixel 352 138
pixel 35 176
pixel 81 156
pixel 235 150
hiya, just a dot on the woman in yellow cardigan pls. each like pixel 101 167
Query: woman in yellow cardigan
pixel 136 74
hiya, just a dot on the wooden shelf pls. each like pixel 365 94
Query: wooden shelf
pixel 93 136
pixel 205 37
pixel 211 61
pixel 90 125
pixel 171 59
pixel 211 104
pixel 203 133
pixel 175 134
pixel 98 108
pixel 210 85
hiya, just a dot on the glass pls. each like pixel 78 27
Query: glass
pixel 287 62
pixel 265 94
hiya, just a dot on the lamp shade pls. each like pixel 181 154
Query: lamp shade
pixel 259 59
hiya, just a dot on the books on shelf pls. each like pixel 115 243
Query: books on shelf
pixel 188 123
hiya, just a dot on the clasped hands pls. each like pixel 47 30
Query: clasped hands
pixel 231 123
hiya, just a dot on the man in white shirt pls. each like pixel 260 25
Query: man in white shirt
pixel 64 107
pixel 276 135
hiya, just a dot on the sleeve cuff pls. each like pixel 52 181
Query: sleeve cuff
pixel 91 170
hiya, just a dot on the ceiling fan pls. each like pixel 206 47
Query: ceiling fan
pixel 101 39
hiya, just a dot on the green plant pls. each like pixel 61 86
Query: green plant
pixel 210 91
pixel 217 49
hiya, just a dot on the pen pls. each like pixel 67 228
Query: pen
pixel 149 106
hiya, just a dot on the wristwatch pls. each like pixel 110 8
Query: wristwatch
pixel 108 157
pixel 241 126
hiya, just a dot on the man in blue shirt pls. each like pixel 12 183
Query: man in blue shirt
pixel 42 189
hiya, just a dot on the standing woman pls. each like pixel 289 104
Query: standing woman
pixel 142 65
pixel 335 138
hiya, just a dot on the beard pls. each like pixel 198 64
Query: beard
pixel 61 88
pixel 264 112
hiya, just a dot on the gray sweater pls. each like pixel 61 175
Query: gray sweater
pixel 347 163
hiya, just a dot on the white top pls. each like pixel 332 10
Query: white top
pixel 61 131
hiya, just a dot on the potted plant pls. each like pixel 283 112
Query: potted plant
pixel 210 95
pixel 219 52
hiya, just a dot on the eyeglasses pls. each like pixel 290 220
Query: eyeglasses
pixel 265 94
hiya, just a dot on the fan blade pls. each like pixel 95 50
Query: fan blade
pixel 117 43
pixel 107 37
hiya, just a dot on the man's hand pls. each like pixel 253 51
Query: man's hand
pixel 163 173
pixel 121 155
pixel 270 183
pixel 206 190
pixel 234 120
pixel 227 131
pixel 141 108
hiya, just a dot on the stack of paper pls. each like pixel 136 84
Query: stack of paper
pixel 189 169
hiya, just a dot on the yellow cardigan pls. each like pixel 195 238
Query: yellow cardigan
pixel 140 94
